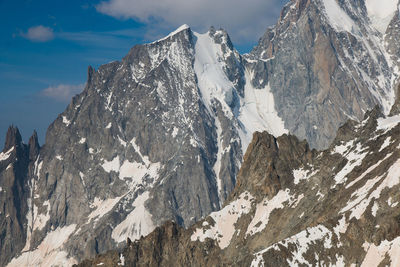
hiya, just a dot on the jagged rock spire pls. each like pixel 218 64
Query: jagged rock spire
pixel 13 137
pixel 34 146
pixel 90 73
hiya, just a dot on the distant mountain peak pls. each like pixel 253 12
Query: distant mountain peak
pixel 13 138
pixel 180 29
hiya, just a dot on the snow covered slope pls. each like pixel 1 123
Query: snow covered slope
pixel 381 12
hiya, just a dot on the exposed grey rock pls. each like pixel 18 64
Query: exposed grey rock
pixel 323 72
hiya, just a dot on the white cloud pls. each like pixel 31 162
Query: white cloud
pixel 62 92
pixel 39 34
pixel 244 20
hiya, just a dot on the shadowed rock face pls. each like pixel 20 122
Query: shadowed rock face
pixel 294 206
pixel 16 161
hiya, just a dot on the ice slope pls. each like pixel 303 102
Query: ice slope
pixel 257 107
pixel 381 12
pixel 254 111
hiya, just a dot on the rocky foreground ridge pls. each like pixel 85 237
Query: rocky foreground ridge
pixel 294 206
pixel 161 134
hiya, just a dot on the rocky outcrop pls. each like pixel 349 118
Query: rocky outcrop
pixel 279 156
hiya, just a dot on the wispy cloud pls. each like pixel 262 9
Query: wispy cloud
pixel 62 92
pixel 38 33
pixel 244 20
pixel 118 38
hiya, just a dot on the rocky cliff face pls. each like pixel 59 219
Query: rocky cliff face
pixel 160 135
pixel 294 206
pixel 326 61
pixel 16 162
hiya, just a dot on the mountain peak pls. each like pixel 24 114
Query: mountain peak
pixel 33 145
pixel 173 33
pixel 13 138
pixel 180 28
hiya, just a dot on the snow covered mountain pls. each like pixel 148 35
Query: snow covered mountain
pixel 158 136
pixel 293 206
pixel 161 134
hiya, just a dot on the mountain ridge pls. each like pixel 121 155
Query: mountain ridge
pixel 162 133
pixel 352 218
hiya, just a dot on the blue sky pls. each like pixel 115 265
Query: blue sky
pixel 47 45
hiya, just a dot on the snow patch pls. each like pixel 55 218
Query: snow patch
pixel 388 123
pixel 367 171
pixel 267 206
pixel 342 148
pixel 6 155
pixel 302 241
pixel 137 171
pixel 392 204
pixel 101 207
pixel 301 174
pixel 66 121
pixel 374 209
pixel 134 170
pixel 174 132
pixel 341 228
pixel 354 158
pixel 138 222
pixel 121 260
pixel 319 195
pixel 123 143
pixel 381 12
pixel 338 18
pixel 385 144
pixel 224 221
pixel 49 252
pixel 112 165
pixel 376 254
pixel 360 202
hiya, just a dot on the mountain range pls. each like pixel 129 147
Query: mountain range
pixel 162 136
